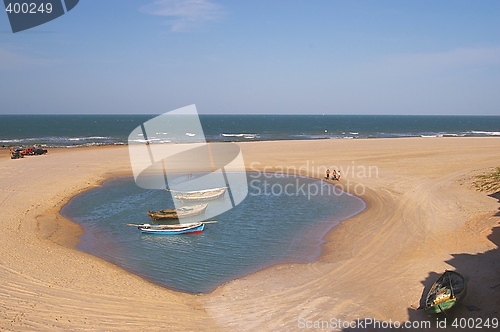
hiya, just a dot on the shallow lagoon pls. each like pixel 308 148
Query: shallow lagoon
pixel 283 219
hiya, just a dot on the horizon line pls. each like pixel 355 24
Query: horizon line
pixel 320 114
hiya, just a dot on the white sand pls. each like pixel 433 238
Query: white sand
pixel 422 218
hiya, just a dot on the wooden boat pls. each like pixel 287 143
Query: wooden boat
pixel 185 211
pixel 446 292
pixel 199 195
pixel 193 228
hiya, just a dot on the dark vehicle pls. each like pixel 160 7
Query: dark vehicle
pixel 39 151
pixel 16 155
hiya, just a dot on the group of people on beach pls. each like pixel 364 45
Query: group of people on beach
pixel 335 175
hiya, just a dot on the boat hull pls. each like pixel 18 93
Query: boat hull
pixel 446 292
pixel 159 230
pixel 163 214
pixel 200 196
pixel 181 212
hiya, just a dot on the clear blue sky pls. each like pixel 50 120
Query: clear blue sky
pixel 325 57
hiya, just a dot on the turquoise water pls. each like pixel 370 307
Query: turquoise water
pixel 78 130
pixel 283 219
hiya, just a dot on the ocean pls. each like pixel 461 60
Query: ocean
pixel 87 130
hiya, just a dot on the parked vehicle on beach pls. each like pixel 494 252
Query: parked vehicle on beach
pixel 21 152
pixel 16 155
pixel 39 151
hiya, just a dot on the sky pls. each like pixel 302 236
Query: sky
pixel 256 57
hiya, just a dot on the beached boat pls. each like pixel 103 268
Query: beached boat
pixel 194 228
pixel 199 195
pixel 185 211
pixel 446 292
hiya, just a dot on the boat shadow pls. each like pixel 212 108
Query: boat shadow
pixel 482 302
pixel 480 305
pixel 497 197
pixel 482 274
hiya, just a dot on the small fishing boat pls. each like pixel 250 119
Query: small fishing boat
pixel 199 195
pixel 446 292
pixel 185 211
pixel 193 228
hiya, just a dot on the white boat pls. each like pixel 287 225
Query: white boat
pixel 193 228
pixel 199 195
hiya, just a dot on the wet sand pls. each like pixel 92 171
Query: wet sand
pixel 422 217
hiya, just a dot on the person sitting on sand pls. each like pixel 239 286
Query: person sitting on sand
pixel 334 175
pixel 338 176
pixel 327 174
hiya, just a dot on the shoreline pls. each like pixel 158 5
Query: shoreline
pixel 318 237
pixel 283 140
pixel 296 289
pixel 71 239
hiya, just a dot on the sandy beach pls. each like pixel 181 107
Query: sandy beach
pixel 423 216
